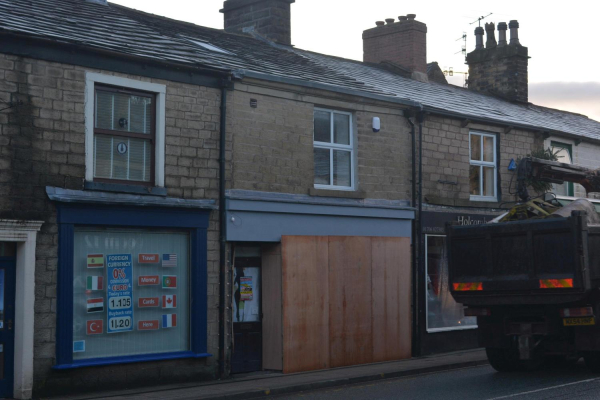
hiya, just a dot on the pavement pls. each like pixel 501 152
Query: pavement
pixel 269 384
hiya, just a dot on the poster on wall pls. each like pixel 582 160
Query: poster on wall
pixel 245 288
pixel 120 293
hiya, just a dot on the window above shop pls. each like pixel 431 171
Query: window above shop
pixel 125 131
pixel 333 150
pixel 564 153
pixel 482 167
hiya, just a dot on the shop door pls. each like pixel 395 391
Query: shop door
pixel 7 318
pixel 247 312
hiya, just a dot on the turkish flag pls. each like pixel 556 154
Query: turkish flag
pixel 95 327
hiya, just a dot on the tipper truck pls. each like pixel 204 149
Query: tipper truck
pixel 532 276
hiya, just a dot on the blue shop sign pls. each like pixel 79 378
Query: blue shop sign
pixel 120 293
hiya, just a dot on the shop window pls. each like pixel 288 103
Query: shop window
pixel 564 152
pixel 130 292
pixel 125 131
pixel 482 168
pixel 132 284
pixel 333 150
pixel 443 313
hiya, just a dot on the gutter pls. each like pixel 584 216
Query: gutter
pixel 225 85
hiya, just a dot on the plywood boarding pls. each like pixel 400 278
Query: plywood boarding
pixel 350 335
pixel 391 288
pixel 272 307
pixel 305 303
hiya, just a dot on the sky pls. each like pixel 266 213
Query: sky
pixel 561 37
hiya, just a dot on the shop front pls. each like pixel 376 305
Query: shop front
pixel 318 282
pixel 443 326
pixel 132 279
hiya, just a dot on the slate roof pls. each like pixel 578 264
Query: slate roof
pixel 123 30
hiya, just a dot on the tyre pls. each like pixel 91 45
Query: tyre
pixel 592 361
pixel 503 360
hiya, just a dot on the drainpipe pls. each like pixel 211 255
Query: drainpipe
pixel 222 231
pixel 420 116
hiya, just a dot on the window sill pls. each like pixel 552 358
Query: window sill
pixel 484 199
pixel 120 188
pixel 94 362
pixel 345 193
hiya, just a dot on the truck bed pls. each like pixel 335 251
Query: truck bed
pixel 544 261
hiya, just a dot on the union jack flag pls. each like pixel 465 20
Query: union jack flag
pixel 169 260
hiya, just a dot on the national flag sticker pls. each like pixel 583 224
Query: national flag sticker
pixel 95 260
pixel 169 320
pixel 169 260
pixel 95 327
pixel 169 301
pixel 95 283
pixel 95 305
pixel 169 282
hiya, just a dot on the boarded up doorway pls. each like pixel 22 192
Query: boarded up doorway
pixel 346 301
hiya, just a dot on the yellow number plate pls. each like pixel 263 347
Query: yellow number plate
pixel 579 321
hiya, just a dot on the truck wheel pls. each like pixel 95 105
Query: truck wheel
pixel 503 360
pixel 592 361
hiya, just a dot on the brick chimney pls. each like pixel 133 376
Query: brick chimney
pixel 269 18
pixel 500 68
pixel 402 42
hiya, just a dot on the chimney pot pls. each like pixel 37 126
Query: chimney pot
pixel 491 38
pixel 390 21
pixel 478 38
pixel 502 34
pixel 411 17
pixel 380 23
pixel 514 32
pixel 402 18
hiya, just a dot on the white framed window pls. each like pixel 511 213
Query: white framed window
pixel 333 150
pixel 443 312
pixel 124 130
pixel 483 176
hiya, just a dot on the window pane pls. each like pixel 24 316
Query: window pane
pixel 342 174
pixel 322 126
pixel 122 158
pixel 488 149
pixel 563 155
pixel 474 180
pixel 322 167
pixel 488 181
pixel 475 147
pixel 341 129
pixel 152 294
pixel 123 112
pixel 442 310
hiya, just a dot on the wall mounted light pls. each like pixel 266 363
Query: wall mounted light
pixel 376 124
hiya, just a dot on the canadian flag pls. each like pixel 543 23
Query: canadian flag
pixel 169 301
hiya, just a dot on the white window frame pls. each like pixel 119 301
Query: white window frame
pixel 427 328
pixel 92 79
pixel 333 146
pixel 484 164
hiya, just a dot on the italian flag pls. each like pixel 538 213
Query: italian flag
pixel 169 281
pixel 95 283
pixel 169 320
pixel 95 260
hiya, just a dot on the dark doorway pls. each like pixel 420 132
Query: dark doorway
pixel 247 311
pixel 7 317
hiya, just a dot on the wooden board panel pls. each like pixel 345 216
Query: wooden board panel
pixel 305 303
pixel 391 298
pixel 350 336
pixel 272 349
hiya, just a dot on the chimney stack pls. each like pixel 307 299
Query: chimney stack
pixel 269 18
pixel 499 69
pixel 403 43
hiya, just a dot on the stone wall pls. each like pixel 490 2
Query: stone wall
pixel 273 144
pixel 446 159
pixel 42 144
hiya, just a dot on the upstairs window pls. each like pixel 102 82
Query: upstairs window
pixel 333 150
pixel 482 169
pixel 564 152
pixel 124 135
